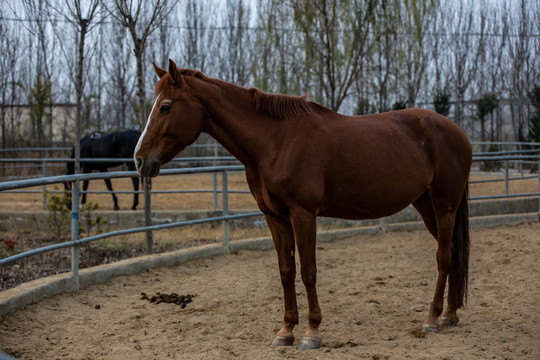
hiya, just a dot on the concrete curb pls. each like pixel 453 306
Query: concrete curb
pixel 33 291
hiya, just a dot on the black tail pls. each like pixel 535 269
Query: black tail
pixel 459 272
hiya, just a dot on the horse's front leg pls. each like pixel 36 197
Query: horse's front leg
pixel 85 188
pixel 305 234
pixel 282 234
pixel 135 181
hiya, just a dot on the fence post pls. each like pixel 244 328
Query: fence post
pixel 382 224
pixel 506 172
pixel 214 176
pixel 44 168
pixel 75 233
pixel 147 186
pixel 538 171
pixel 225 194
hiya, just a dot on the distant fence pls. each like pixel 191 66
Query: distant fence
pixel 23 163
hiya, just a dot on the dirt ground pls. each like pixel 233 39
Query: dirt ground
pixel 374 291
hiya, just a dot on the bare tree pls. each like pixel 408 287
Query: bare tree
pixel 141 18
pixel 493 63
pixel 416 16
pixel 81 15
pixel 235 50
pixel 465 46
pixel 275 67
pixel 37 29
pixel 120 85
pixel 524 63
pixel 334 36
pixel 10 84
pixel 382 65
pixel 198 44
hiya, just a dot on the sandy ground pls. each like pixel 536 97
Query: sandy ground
pixel 374 292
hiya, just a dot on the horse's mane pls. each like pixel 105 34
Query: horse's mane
pixel 194 73
pixel 280 106
pixel 163 85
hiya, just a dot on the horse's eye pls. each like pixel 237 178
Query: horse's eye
pixel 165 109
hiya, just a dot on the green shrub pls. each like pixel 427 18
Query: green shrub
pixel 58 218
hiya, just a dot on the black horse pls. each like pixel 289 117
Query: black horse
pixel 98 145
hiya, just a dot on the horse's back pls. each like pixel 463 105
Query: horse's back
pixel 449 147
pixel 118 144
pixel 419 132
pixel 375 165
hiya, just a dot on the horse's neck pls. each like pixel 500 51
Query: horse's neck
pixel 235 123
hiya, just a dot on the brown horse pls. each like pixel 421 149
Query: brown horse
pixel 303 160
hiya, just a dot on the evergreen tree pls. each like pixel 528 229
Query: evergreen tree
pixel 399 105
pixel 485 106
pixel 534 120
pixel 40 99
pixel 441 102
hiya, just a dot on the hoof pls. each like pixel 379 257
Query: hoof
pixel 309 343
pixel 448 322
pixel 430 328
pixel 283 341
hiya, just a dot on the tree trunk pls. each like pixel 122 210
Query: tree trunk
pixel 147 183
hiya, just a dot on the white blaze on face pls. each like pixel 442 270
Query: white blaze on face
pixel 137 148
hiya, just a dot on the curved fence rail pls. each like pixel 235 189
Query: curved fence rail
pixel 519 157
pixel 76 242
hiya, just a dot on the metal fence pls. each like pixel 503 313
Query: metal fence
pixel 76 242
pixel 23 163
pixel 513 161
pixel 45 163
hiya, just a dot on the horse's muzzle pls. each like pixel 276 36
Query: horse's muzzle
pixel 149 168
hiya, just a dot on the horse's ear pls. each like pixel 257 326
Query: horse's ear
pixel 159 71
pixel 175 74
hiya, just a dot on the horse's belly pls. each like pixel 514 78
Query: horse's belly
pixel 370 197
pixel 366 209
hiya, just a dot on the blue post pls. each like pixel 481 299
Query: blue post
pixel 214 177
pixel 75 233
pixel 506 176
pixel 225 208
pixel 44 168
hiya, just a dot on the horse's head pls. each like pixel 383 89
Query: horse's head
pixel 176 120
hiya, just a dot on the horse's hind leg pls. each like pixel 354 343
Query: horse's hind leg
pixel 458 277
pixel 440 224
pixel 445 208
pixel 115 199
pixel 444 262
pixel 438 228
pixel 424 206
